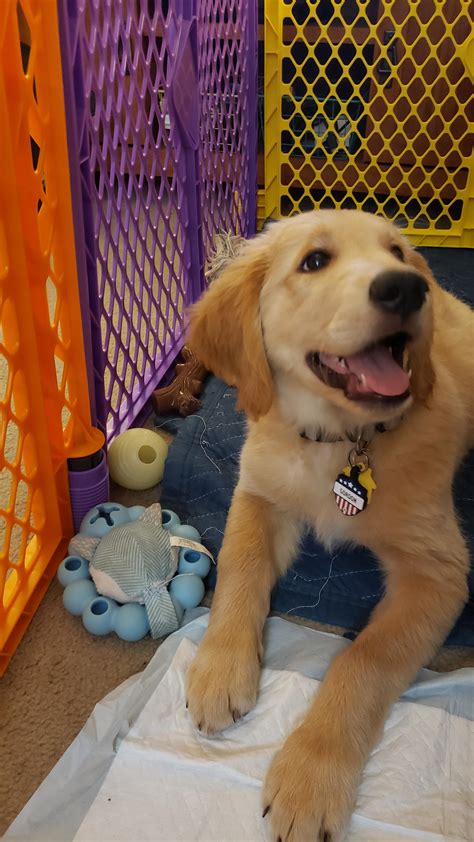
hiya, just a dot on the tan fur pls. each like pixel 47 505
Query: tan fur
pixel 226 331
pixel 254 328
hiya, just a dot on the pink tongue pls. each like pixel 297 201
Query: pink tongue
pixel 382 374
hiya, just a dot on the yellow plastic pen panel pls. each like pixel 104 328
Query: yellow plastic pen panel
pixel 369 105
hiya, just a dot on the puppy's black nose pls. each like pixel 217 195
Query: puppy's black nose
pixel 401 293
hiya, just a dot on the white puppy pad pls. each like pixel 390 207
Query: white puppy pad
pixel 168 783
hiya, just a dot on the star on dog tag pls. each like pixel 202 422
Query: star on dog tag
pixel 353 489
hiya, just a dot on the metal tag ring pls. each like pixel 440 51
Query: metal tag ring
pixel 359 458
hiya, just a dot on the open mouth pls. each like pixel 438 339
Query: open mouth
pixel 379 372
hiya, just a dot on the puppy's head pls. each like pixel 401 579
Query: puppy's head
pixel 335 301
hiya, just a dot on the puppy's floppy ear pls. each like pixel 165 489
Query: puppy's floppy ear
pixel 423 374
pixel 226 331
pixel 419 263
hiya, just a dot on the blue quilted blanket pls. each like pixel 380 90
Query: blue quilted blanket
pixel 340 588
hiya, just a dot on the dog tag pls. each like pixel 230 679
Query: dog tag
pixel 353 489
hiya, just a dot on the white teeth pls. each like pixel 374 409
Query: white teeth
pixel 362 380
pixel 342 362
pixel 409 373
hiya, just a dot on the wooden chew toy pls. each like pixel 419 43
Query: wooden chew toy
pixel 181 395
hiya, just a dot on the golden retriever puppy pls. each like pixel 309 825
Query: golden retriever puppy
pixel 346 355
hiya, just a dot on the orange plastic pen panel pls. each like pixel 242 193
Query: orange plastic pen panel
pixel 44 400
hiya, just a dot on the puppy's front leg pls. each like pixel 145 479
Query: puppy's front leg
pixel 311 786
pixel 258 546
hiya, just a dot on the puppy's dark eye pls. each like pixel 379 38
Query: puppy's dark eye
pixel 398 253
pixel 314 261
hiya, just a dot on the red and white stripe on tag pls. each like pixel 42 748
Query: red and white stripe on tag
pixel 346 507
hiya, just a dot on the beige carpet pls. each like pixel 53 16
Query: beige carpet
pixel 58 674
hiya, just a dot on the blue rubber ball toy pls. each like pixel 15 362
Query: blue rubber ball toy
pixel 192 561
pixel 169 519
pixel 99 615
pixel 131 622
pixel 73 567
pixel 101 519
pixel 188 589
pixel 77 595
pixel 186 531
pixel 132 556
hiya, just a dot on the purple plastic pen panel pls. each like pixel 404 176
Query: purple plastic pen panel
pixel 163 132
pixel 138 60
pixel 227 37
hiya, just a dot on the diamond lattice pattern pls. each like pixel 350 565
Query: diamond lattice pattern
pixel 225 88
pixel 137 166
pixel 373 103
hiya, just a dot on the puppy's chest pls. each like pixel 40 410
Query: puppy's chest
pixel 308 484
pixel 321 467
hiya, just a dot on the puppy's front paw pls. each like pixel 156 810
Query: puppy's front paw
pixel 310 789
pixel 222 683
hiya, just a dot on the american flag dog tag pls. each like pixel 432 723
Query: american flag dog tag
pixel 353 489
